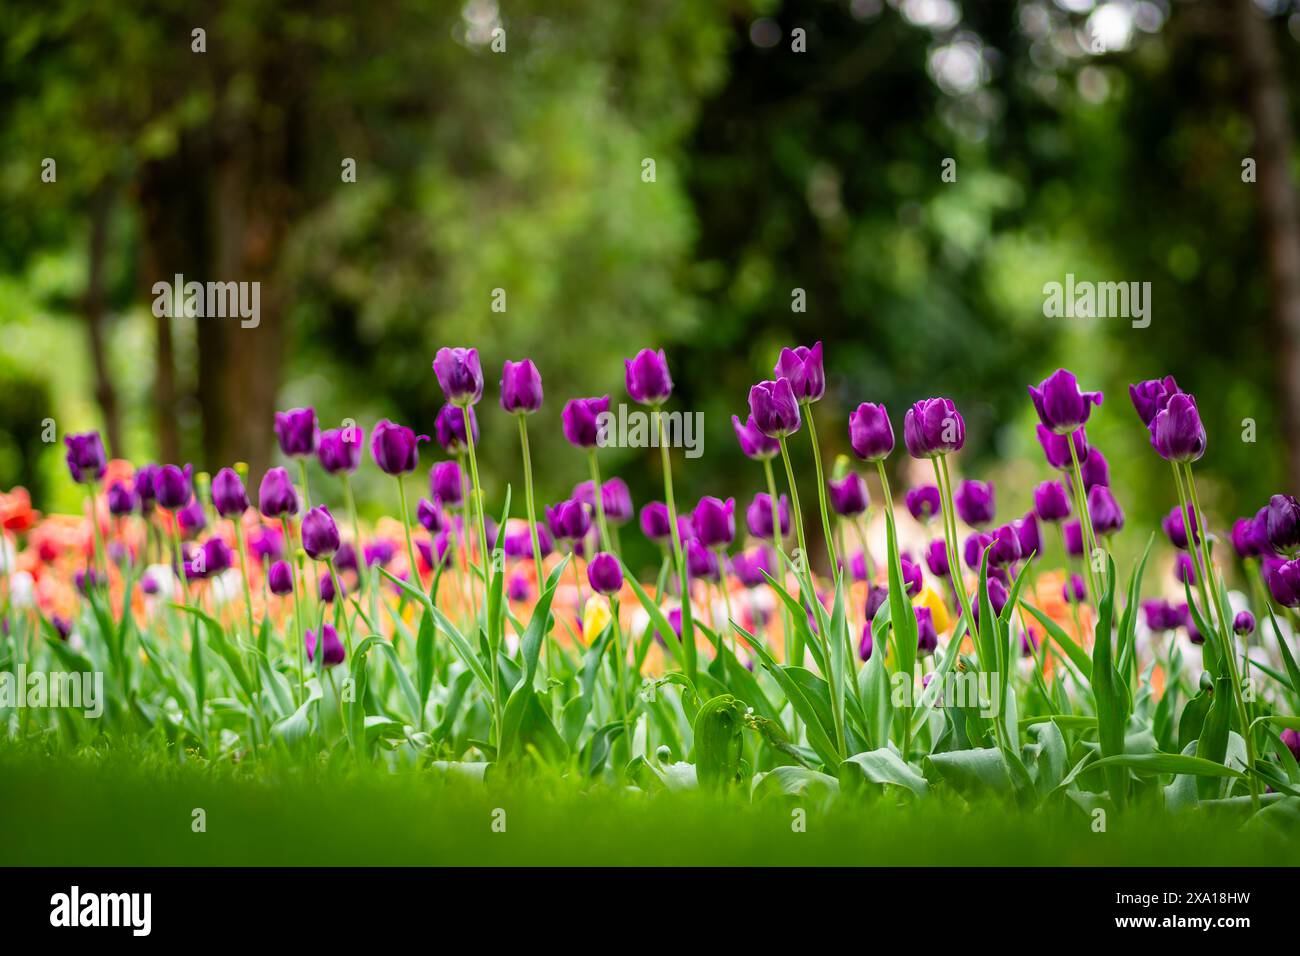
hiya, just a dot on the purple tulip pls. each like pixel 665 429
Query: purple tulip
pixel 616 499
pixel 459 374
pixel 380 551
pixel 753 443
pixel 145 477
pixel 1176 432
pixel 228 494
pixel 320 535
pixel 1107 516
pixel 1074 590
pixel 1184 569
pixel 870 433
pixel 1059 403
pixel 803 367
pixel 924 502
pixel 332 647
pixel 266 543
pixel 848 495
pixel 974 547
pixel 715 521
pixel 521 387
pixel 581 420
pixel 339 449
pixel 518 588
pixel 276 497
pixel 1160 616
pixel 1151 396
pixel 865 645
pixel 280 578
pixel 85 580
pixel 748 566
pixel 648 381
pixel 1283 523
pixel 326 589
pixel 172 486
pixel 345 559
pixel 121 499
pixel 86 458
pixel 936 558
pixel 758 516
pixel 569 520
pixel 1028 642
pixel 191 519
pixel 701 563
pixel 1073 538
pixel 876 597
pixel 519 543
pixel 449 428
pixel 1051 501
pixel 998 596
pixel 974 501
pixel 927 638
pixel 296 431
pixel 773 408
pixel 605 573
pixel 1243 625
pixel 1094 469
pixel 1056 447
pixel 429 514
pixel 1292 740
pixel 445 483
pixel 1175 528
pixel 395 448
pixel 655 521
pixel 1283 580
pixel 1244 541
pixel 217 556
pixel 933 427
pixel 1027 531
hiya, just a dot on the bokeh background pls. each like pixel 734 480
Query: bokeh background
pixel 1103 139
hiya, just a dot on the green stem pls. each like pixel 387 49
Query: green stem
pixel 494 641
pixel 297 605
pixel 406 526
pixel 607 541
pixel 101 556
pixel 1081 503
pixel 688 637
pixel 794 650
pixel 362 570
pixel 898 570
pixel 821 490
pixel 548 644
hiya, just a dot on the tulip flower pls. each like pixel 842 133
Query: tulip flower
pixel 701 563
pixel 1027 531
pixel 1244 541
pixel 518 588
pixel 924 502
pixel 320 535
pixel 449 428
pixel 228 494
pixel 802 366
pixel 870 433
pixel 655 522
pixel 521 387
pixel 715 521
pixel 936 558
pixel 1175 529
pixel 848 495
pixel 1283 581
pixel 758 516
pixel 974 501
pixel 280 578
pixel 1177 434
pixel 913 580
pixel 172 486
pixel 1184 569
pixel 1004 549
pixel 1051 503
pixel 927 638
pixel 446 484
pixel 1093 469
pixel 296 431
pixel 1243 625
pixel 569 520
pixel 276 497
pixel 339 450
pixel 191 519
pixel 1061 406
pixel 753 443
pixel 395 448
pixel 1073 591
pixel 1283 524
pixel 459 375
pixel 1105 512
pixel 121 499
pixel 774 409
pixel 605 574
pixel 1073 532
pixel 865 644
pixel 748 566
pixel 933 427
pixel 581 420
pixel 333 652
pixel 648 381
pixel 1292 740
pixel 429 514
pixel 87 461
pixel 1056 447
pixel 1151 396
pixel 145 477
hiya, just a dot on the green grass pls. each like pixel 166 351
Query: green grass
pixel 126 808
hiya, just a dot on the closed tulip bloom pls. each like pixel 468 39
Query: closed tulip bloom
pixel 655 521
pixel 121 499
pixel 1283 523
pixel 85 579
pixel 228 494
pixel 276 497
pixel 395 448
pixel 974 501
pixel 429 514
pixel 1292 740
pixel 848 495
pixel 1151 396
pixel 320 534
pixel 753 443
pixel 521 387
pixel 1094 469
pixel 616 498
pixel 924 502
pixel 1243 625
pixel 217 555
pixel 1283 580
pixel 870 433
pixel 973 549
pixel 332 647
pixel 1184 570
pixel 459 374
pixel 1107 516
pixel 86 458
pixel 296 431
pixel 266 543
pixel 605 573
pixel 802 366
pixel 1051 502
pixel 998 596
pixel 1175 528
pixel 648 381
pixel 445 483
pixel 913 578
pixel 773 408
pixel 581 420
pixel 1005 547
pixel 1027 530
pixel 936 558
pixel 927 638
pixel 933 427
pixel 280 578
pixel 865 645
pixel 449 429
pixel 1073 538
pixel 1177 433
pixel 191 519
pixel 1244 541
pixel 380 551
pixel 172 486
pixel 1056 448
pixel 1074 590
pixel 145 477
pixel 748 566
pixel 715 521
pixel 569 520
pixel 1061 406
pixel 325 588
pixel 701 563
pixel 518 588
pixel 339 449
pixel 519 543
pixel 1159 616
pixel 758 516
pixel 345 559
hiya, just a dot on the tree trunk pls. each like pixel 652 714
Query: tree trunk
pixel 1278 207
pixel 93 310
